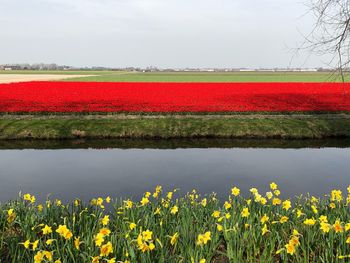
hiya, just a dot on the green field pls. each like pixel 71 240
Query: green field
pixel 214 77
pixel 124 76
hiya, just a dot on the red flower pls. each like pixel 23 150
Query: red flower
pixel 172 97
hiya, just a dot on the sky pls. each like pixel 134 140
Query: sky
pixel 161 33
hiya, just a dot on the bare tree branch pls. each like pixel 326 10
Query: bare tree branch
pixel 331 33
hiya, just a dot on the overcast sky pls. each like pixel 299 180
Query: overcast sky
pixel 163 33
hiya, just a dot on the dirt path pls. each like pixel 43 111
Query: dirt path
pixel 10 78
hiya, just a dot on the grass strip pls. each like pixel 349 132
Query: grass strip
pixel 167 127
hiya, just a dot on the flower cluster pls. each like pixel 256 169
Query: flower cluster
pixel 191 228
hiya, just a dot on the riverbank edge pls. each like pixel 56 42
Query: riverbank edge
pixel 313 126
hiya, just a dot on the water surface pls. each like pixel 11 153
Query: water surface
pixel 129 168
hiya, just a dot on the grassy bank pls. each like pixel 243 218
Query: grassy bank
pixel 165 227
pixel 176 126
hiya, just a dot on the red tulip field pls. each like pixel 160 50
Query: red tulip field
pixel 45 96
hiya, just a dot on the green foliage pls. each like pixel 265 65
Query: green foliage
pixel 173 228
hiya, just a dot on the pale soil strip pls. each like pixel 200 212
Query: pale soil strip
pixel 12 78
pixel 122 116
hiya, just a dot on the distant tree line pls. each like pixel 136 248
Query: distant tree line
pixel 53 66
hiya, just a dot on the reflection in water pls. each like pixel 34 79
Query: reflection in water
pixel 87 173
pixel 171 144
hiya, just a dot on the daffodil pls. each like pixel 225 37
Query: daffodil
pixel 38 257
pixel 174 210
pixel 299 213
pixel 46 230
pixel 290 248
pixel 325 227
pixel 264 219
pixel 235 191
pixel 30 198
pixel 336 195
pixel 49 241
pixel 58 202
pixel 227 205
pixel 132 226
pixel 48 255
pixel 286 205
pixel 323 219
pixel 104 231
pixel 35 244
pixel 273 186
pixel 219 227
pixel 216 214
pixel 253 190
pixel 128 204
pixel 174 238
pixel 106 249
pixel 11 215
pixel 99 239
pixel 276 201
pixel 269 195
pixel 144 201
pixel 263 200
pixel 147 235
pixel 170 195
pixel 77 243
pixel 283 219
pixel 144 241
pixel 203 239
pixel 245 212
pixel 309 221
pixel 347 227
pixel 157 212
pixel 105 220
pixel 63 231
pixel 40 207
pixel 264 230
pixel 26 244
pixel 338 228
